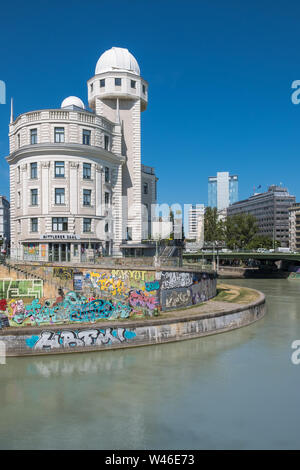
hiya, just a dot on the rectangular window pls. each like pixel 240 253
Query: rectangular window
pixel 33 171
pixel 19 140
pixel 59 171
pixel 144 89
pixel 18 174
pixel 59 135
pixel 106 142
pixel 102 83
pixel 19 226
pixel 106 198
pixel 34 197
pixel 19 199
pixel 87 197
pixel 145 188
pixel 106 174
pixel 118 81
pixel 92 86
pixel 133 83
pixel 59 224
pixel 33 136
pixel 87 173
pixel 87 225
pixel 86 137
pixel 34 225
pixel 59 195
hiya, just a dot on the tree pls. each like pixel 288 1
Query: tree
pixel 240 230
pixel 213 227
pixel 261 241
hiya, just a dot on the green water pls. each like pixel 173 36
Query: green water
pixel 235 390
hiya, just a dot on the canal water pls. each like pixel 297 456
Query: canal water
pixel 236 390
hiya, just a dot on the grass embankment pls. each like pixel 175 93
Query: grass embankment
pixel 235 294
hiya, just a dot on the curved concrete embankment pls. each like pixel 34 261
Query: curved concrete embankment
pixel 207 319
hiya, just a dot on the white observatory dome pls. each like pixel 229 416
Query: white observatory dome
pixel 72 101
pixel 117 58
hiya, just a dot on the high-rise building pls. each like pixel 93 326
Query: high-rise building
pixel 77 184
pixel 222 190
pixel 271 210
pixel 196 223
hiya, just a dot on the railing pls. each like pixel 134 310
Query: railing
pixel 60 114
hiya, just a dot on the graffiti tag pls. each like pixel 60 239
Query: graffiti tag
pixel 71 339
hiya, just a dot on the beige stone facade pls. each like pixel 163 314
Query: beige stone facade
pixel 76 181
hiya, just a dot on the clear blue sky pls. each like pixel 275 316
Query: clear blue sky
pixel 219 76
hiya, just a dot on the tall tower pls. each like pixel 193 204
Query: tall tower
pixel 118 93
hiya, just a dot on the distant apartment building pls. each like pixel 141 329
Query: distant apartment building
pixel 271 210
pixel 196 223
pixel 222 190
pixel 294 227
pixel 4 221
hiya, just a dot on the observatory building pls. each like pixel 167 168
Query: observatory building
pixel 77 184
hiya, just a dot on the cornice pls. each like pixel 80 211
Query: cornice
pixel 75 150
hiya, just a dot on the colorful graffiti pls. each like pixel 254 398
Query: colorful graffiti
pixel 106 282
pixel 106 295
pixel 138 289
pixel 63 273
pixel 152 286
pixel 10 288
pixel 143 299
pixel 48 340
pixel 71 308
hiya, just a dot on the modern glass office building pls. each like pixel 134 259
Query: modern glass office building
pixel 222 190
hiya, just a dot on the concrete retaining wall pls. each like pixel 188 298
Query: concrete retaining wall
pixel 123 334
pixel 92 294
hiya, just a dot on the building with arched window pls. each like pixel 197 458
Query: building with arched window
pixel 77 184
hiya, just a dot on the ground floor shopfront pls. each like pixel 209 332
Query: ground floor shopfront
pixel 63 251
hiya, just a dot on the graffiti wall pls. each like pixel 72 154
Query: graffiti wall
pixel 49 341
pixel 139 290
pixel 71 308
pixel 63 273
pixel 81 337
pixel 21 288
pixel 184 289
pixel 107 295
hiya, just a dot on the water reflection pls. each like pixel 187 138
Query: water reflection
pixel 233 390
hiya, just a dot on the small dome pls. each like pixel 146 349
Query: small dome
pixel 72 101
pixel 117 58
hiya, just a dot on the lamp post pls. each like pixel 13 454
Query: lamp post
pixel 214 261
